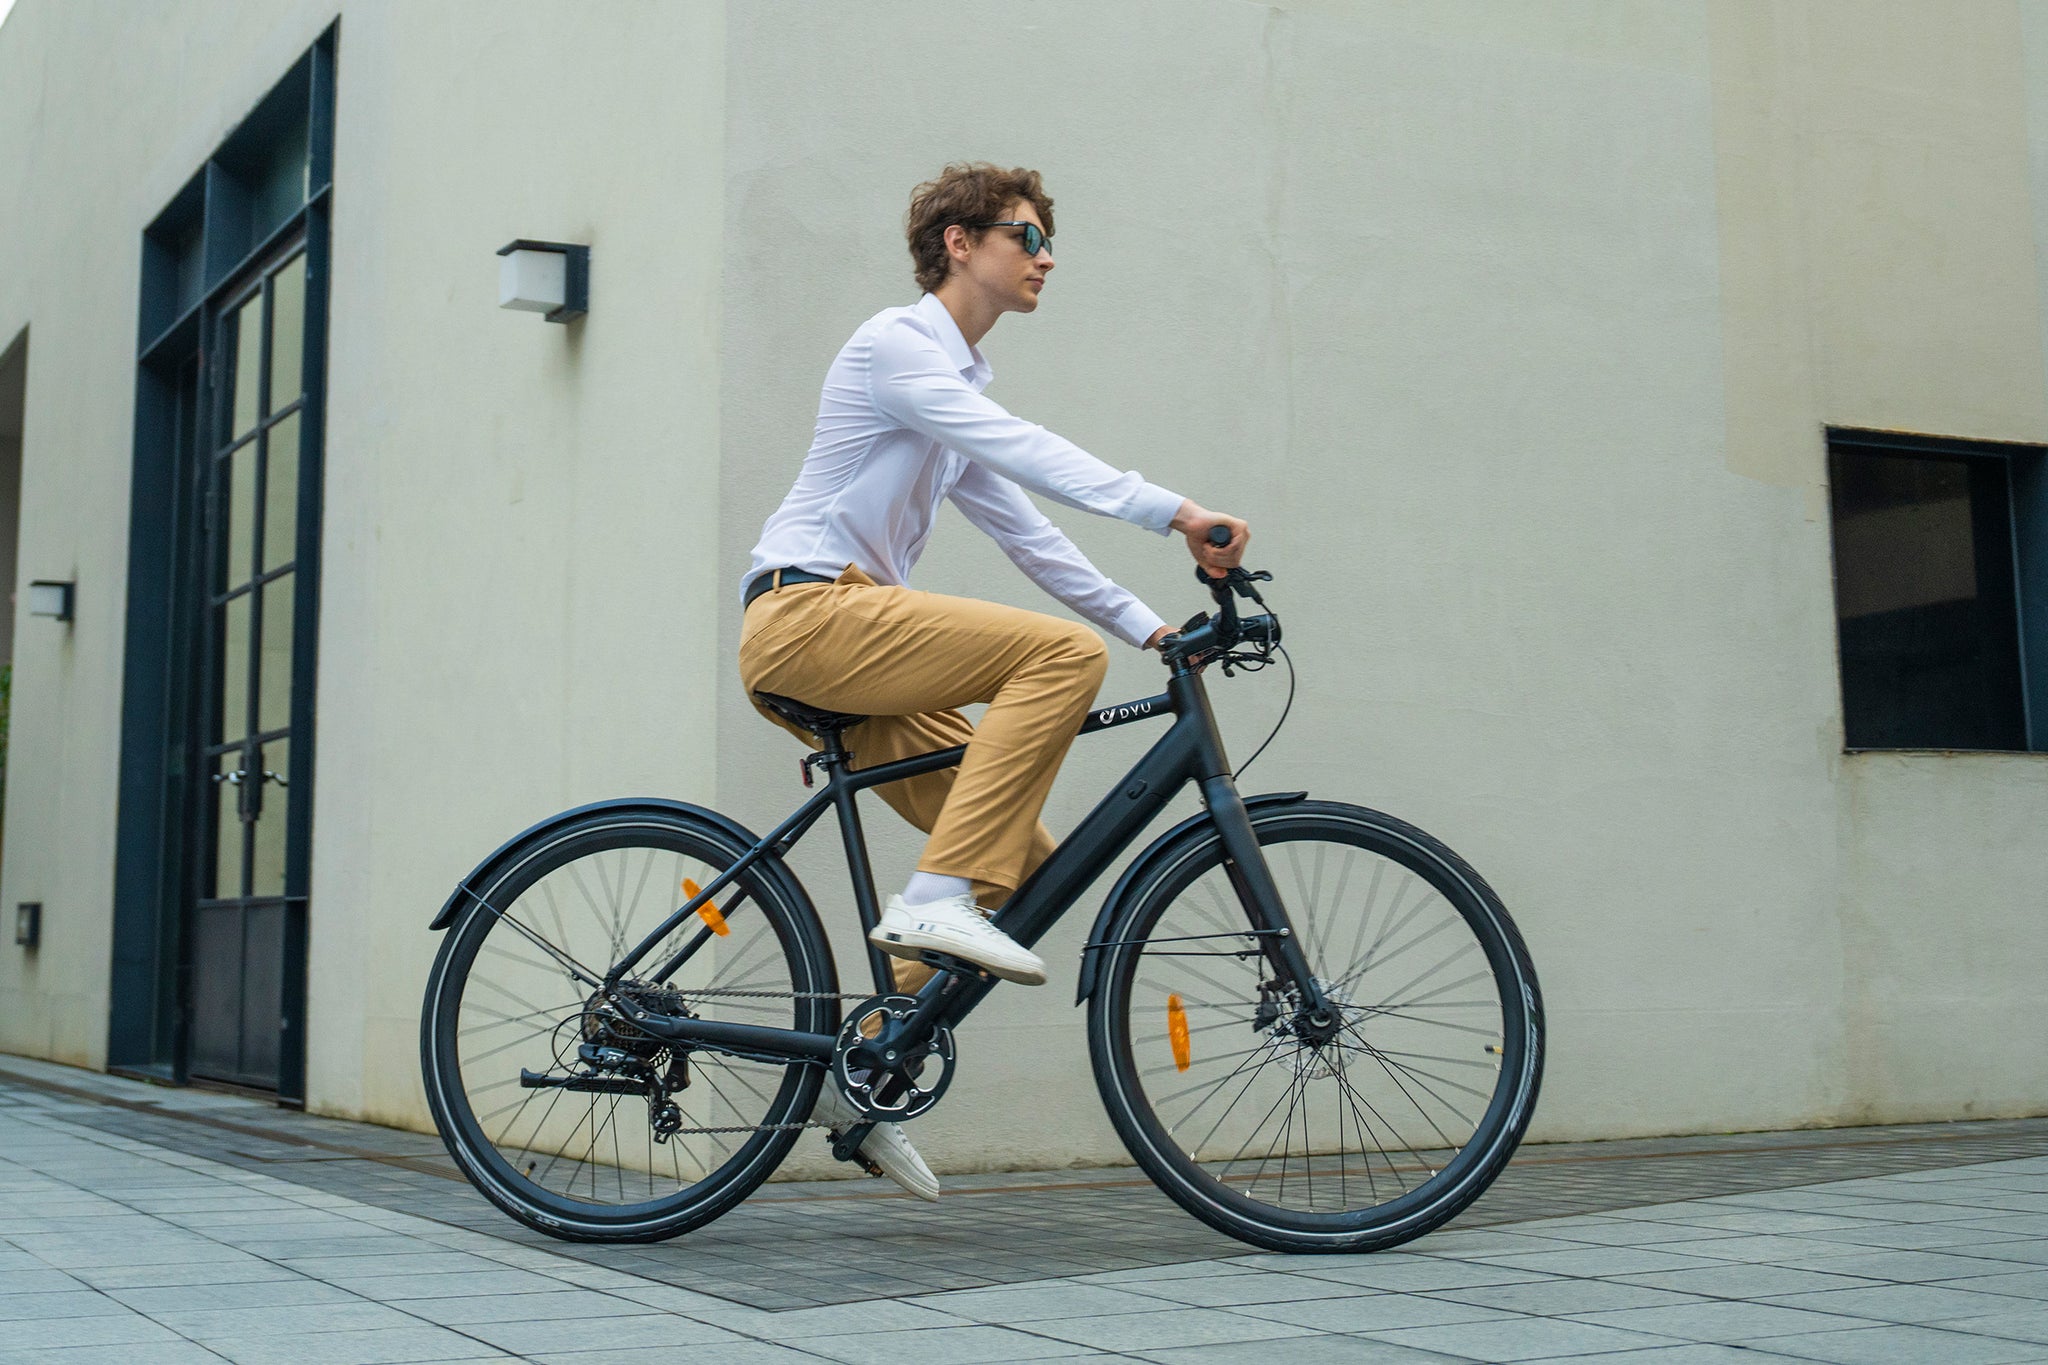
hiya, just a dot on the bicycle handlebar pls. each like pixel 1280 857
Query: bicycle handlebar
pixel 1205 636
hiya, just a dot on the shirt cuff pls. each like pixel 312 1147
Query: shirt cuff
pixel 1137 623
pixel 1154 508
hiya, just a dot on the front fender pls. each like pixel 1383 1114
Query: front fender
pixel 1139 872
pixel 487 869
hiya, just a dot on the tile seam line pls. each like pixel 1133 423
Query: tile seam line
pixel 419 1166
pixel 62 1123
pixel 92 1288
pixel 155 1110
pixel 396 1306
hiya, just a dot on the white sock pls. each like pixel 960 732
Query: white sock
pixel 926 887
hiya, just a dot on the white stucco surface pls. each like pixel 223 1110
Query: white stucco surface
pixel 1514 331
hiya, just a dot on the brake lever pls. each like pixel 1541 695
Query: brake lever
pixel 1239 580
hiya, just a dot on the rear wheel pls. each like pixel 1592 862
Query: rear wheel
pixel 646 1140
pixel 1299 1139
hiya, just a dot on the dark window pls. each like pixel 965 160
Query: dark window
pixel 1935 556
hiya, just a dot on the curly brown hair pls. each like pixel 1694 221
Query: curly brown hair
pixel 965 192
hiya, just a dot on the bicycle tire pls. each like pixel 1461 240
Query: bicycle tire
pixel 493 1009
pixel 1140 1063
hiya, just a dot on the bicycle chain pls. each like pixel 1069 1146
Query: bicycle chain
pixel 767 995
pixel 687 994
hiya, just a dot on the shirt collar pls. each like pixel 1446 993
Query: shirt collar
pixel 967 359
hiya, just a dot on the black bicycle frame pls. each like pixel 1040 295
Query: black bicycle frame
pixel 1190 751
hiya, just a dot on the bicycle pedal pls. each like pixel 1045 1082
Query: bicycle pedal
pixel 858 1157
pixel 846 1146
pixel 959 966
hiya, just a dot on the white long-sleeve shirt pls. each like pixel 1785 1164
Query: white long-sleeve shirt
pixel 902 426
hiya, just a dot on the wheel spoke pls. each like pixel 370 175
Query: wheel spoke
pixel 516 997
pixel 1300 1120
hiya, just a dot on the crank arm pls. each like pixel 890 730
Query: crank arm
pixel 846 1145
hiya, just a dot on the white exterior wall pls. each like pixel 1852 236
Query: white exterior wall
pixel 102 120
pixel 514 509
pixel 1513 331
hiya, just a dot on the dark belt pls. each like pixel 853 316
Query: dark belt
pixel 766 583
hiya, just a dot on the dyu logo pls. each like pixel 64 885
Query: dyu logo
pixel 1128 711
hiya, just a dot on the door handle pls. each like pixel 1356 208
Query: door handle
pixel 241 775
pixel 250 789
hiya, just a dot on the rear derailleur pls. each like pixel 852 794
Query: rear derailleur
pixel 615 1058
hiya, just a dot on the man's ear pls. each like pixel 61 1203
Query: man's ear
pixel 956 242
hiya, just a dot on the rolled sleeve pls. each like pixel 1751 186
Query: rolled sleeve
pixel 999 508
pixel 912 381
pixel 1137 625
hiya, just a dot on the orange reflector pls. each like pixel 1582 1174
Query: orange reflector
pixel 707 911
pixel 1177 1031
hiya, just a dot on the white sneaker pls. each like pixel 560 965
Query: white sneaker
pixel 886 1148
pixel 957 926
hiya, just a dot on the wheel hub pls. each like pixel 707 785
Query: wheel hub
pixel 619 1055
pixel 1306 1040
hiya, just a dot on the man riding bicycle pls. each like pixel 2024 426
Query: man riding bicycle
pixel 830 620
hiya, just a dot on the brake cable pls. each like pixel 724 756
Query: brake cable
pixel 1281 650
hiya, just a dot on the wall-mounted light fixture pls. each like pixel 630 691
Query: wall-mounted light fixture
pixel 550 278
pixel 46 598
pixel 28 923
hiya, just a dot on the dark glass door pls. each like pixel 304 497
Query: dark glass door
pixel 246 908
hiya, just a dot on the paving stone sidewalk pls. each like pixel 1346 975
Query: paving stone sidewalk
pixel 115 1246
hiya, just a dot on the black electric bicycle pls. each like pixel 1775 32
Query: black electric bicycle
pixel 1313 1025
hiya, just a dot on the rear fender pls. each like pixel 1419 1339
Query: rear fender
pixel 487 871
pixel 1159 852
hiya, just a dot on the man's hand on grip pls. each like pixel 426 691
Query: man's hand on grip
pixel 1197 523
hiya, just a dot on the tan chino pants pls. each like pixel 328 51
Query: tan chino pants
pixel 909 660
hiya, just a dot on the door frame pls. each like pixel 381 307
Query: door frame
pixel 204 248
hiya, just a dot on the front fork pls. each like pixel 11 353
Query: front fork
pixel 1260 896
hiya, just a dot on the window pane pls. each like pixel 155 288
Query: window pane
pixel 287 332
pixel 243 337
pixel 281 494
pixel 231 722
pixel 227 833
pixel 239 515
pixel 1925 603
pixel 274 688
pixel 268 878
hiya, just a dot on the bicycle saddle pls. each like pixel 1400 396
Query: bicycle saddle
pixel 813 718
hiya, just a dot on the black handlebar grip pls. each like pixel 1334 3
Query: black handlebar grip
pixel 1219 535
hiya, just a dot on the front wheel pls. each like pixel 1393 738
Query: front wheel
pixel 1299 1139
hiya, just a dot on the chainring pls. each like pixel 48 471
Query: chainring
pixel 904 1088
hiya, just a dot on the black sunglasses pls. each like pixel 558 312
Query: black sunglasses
pixel 1035 236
